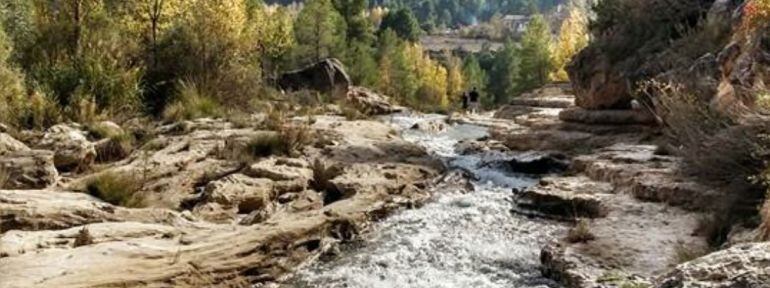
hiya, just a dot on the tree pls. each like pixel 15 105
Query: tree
pixel 535 54
pixel 573 37
pixel 455 81
pixel 403 23
pixel 503 82
pixel 361 64
pixel 474 75
pixel 353 13
pixel 319 30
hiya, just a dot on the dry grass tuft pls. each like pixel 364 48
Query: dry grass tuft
pixel 83 238
pixel 116 189
pixel 581 233
pixel 4 178
pixel 684 253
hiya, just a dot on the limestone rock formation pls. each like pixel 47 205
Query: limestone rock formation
pixel 9 144
pixel 27 169
pixel 71 147
pixel 371 103
pixel 745 265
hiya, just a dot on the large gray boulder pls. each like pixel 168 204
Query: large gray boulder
pixel 327 76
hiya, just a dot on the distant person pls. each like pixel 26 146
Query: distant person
pixel 465 102
pixel 474 100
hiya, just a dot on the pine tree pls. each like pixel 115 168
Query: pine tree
pixel 535 54
pixel 474 75
pixel 503 79
pixel 319 30
pixel 403 23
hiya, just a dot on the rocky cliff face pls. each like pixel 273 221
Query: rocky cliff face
pixel 701 45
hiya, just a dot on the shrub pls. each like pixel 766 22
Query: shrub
pixel 294 137
pixel 323 174
pixel 117 147
pixel 83 238
pixel 264 146
pixel 191 104
pixel 684 253
pixel 581 233
pixel 116 189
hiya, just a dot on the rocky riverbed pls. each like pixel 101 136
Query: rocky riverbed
pixel 540 194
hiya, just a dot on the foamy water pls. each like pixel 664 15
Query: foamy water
pixel 456 240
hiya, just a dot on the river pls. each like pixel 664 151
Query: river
pixel 458 239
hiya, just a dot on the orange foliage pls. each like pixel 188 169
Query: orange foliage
pixel 756 14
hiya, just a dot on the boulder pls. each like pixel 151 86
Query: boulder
pixel 30 169
pixel 72 150
pixel 238 194
pixel 430 126
pixel 106 129
pixel 327 76
pixel 596 82
pixel 371 103
pixel 10 144
pixel 538 163
pixel 745 265
pixel 566 198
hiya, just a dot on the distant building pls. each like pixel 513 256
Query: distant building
pixel 516 23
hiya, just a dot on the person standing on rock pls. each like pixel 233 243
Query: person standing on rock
pixel 474 101
pixel 465 102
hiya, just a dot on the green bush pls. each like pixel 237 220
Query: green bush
pixel 116 189
pixel 191 104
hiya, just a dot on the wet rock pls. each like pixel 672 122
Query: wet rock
pixel 430 126
pixel 72 150
pixel 566 198
pixel 745 265
pixel 327 76
pixel 9 144
pixel 371 103
pixel 30 169
pixel 539 163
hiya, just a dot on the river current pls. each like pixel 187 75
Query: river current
pixel 458 239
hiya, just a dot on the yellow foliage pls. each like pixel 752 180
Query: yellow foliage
pixel 573 37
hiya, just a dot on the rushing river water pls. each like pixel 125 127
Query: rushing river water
pixel 456 240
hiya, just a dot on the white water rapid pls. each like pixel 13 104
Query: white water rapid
pixel 455 240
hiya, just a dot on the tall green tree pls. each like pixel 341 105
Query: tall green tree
pixel 353 12
pixel 535 54
pixel 320 31
pixel 403 23
pixel 504 75
pixel 474 75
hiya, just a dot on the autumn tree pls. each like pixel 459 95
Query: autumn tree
pixel 573 37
